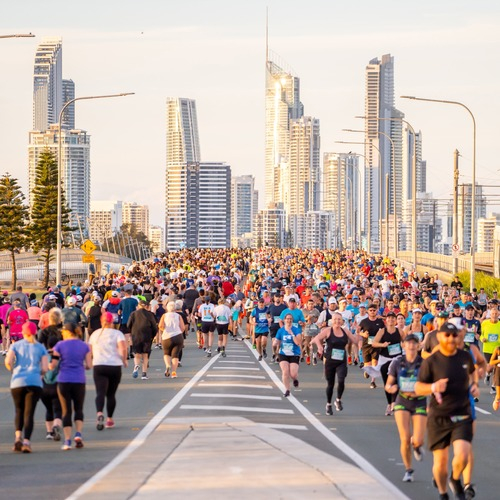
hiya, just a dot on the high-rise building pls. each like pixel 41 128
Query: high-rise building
pixel 182 171
pixel 157 238
pixel 341 196
pixel 244 201
pixel 106 219
pixel 429 225
pixel 214 205
pixel 282 105
pixel 270 227
pixel 320 230
pixel 136 215
pixel 47 83
pixel 75 156
pixel 68 117
pixel 465 213
pixel 382 143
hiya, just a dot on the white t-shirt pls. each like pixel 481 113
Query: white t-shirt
pixel 222 314
pixel 104 342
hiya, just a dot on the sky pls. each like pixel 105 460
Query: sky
pixel 214 52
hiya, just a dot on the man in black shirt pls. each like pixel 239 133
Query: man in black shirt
pixel 449 374
pixel 368 329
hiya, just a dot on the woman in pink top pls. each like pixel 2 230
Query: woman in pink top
pixel 15 319
pixel 34 311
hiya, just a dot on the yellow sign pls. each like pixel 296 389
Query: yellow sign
pixel 88 247
pixel 88 259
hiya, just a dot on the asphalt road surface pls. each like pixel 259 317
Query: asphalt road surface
pixel 237 385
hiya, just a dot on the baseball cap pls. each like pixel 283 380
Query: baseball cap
pixel 356 298
pixel 292 299
pixel 440 306
pixel 456 305
pixel 448 328
pixel 71 301
pixel 417 310
pixel 469 307
pixel 411 337
pixel 114 293
pixel 372 306
pixel 362 304
pixel 457 322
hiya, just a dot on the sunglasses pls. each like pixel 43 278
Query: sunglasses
pixel 450 334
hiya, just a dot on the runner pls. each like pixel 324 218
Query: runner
pixel 368 329
pixel 260 324
pixel 172 326
pixel 335 338
pixel 410 410
pixel 222 314
pixel 490 337
pixel 289 340
pixel 274 313
pixel 206 314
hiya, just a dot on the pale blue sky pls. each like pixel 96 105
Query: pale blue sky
pixel 213 51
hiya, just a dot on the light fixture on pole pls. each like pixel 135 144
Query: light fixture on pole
pixel 473 194
pixel 59 177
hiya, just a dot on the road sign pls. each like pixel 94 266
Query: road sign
pixel 88 259
pixel 455 250
pixel 88 247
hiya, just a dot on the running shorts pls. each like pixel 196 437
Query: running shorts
pixel 441 432
pixel 289 359
pixel 173 346
pixel 416 406
pixel 207 327
pixel 369 354
pixel 222 329
pixel 142 347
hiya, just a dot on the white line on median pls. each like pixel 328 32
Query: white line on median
pixel 236 368
pixel 236 408
pixel 286 427
pixel 224 384
pixel 240 396
pixel 232 375
pixel 239 362
pixel 143 434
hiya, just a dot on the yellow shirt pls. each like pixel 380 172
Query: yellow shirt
pixel 490 335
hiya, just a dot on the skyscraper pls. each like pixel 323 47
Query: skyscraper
pixel 47 83
pixel 244 200
pixel 182 171
pixel 137 215
pixel 68 117
pixel 465 213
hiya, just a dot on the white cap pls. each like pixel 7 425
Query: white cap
pixel 332 300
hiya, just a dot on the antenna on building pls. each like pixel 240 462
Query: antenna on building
pixel 267 34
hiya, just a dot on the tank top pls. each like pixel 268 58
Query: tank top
pixel 394 348
pixel 335 347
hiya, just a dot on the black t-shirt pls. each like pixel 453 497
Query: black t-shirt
pixel 456 369
pixel 275 312
pixel 190 296
pixel 276 287
pixel 372 327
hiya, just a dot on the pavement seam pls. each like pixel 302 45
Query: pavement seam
pixel 153 471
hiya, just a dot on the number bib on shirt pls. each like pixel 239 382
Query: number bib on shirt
pixel 492 337
pixel 338 354
pixel 394 349
pixel 407 384
pixel 469 338
pixel 276 319
pixel 370 340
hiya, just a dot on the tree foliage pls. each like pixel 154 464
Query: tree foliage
pixel 13 217
pixel 129 242
pixel 43 226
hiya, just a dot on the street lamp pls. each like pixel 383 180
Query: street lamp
pixel 19 35
pixel 59 176
pixel 473 195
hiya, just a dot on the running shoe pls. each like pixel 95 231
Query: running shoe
pixel 328 409
pixel 315 360
pixel 338 405
pixel 365 374
pixel 274 358
pixel 49 436
pixel 361 364
pixel 56 432
pixel 223 353
pixel 418 453
pixel 373 385
pixel 218 349
pixel 18 446
pixel 179 364
pixel 388 410
pixel 456 487
pixel 109 423
pixel 408 477
pixel 144 376
pixel 487 379
pixel 174 374
pixel 296 383
pixel 308 360
pixel 301 359
pixel 264 353
pixel 26 447
pixel 260 357
pixel 78 440
pixel 167 372
pixel 287 393
pixel 135 373
pixel 349 360
pixel 493 391
pixel 100 422
pixel 66 445
pixel 496 404
pixel 469 491
pixel 209 353
pixel 254 346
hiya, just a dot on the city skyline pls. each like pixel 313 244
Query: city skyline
pixel 436 55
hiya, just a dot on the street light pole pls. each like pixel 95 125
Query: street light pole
pixel 473 201
pixel 19 35
pixel 59 177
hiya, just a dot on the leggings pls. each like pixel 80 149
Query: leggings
pixel 51 402
pixel 332 370
pixel 106 379
pixel 384 371
pixel 71 395
pixel 25 400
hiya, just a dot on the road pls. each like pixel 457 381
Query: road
pixel 237 385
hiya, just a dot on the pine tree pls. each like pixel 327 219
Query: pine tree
pixel 13 217
pixel 43 227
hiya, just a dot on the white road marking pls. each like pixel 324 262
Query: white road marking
pixel 240 356
pixel 142 436
pixel 250 386
pixel 236 368
pixel 236 408
pixel 262 377
pixel 240 396
pixel 480 410
pixel 286 427
pixel 239 362
pixel 336 441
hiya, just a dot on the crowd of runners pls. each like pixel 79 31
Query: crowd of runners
pixel 428 343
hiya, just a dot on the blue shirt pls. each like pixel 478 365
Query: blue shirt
pixel 297 315
pixel 71 358
pixel 127 306
pixel 27 368
pixel 261 321
pixel 287 346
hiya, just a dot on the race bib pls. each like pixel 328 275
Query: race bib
pixel 262 317
pixel 492 337
pixel 296 325
pixel 276 319
pixel 470 338
pixel 287 348
pixel 222 319
pixel 407 384
pixel 394 349
pixel 338 354
pixel 370 340
pixel 313 329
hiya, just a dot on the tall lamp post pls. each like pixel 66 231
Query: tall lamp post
pixel 19 35
pixel 59 177
pixel 473 195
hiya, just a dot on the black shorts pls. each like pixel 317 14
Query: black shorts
pixel 441 432
pixel 273 331
pixel 289 359
pixel 369 353
pixel 124 328
pixel 261 334
pixel 415 406
pixel 222 329
pixel 173 346
pixel 142 347
pixel 207 327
